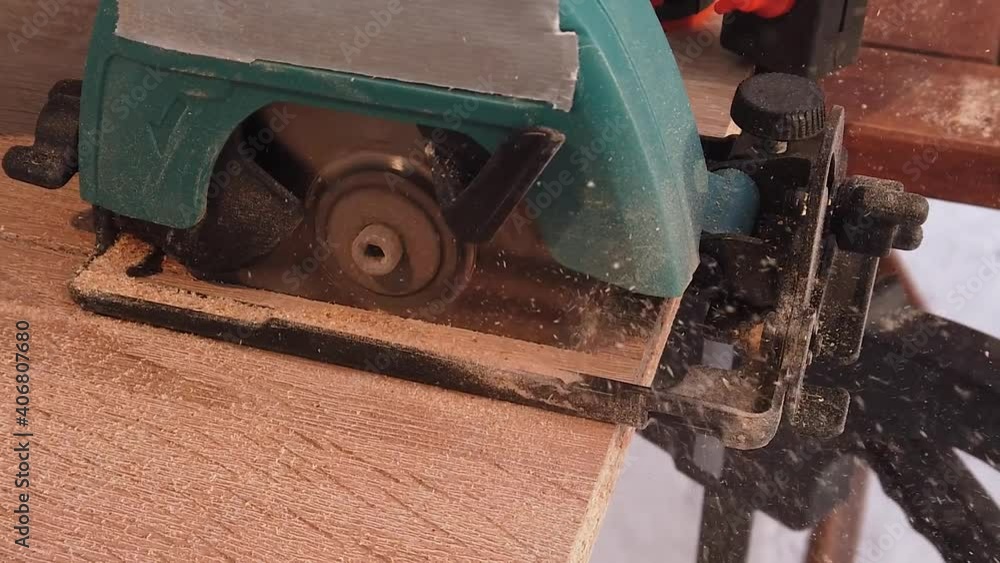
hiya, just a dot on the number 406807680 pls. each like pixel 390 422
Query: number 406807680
pixel 22 366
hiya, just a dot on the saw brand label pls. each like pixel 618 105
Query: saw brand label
pixel 517 42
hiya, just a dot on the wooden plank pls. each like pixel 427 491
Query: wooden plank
pixel 490 357
pixel 711 75
pixel 929 122
pixel 170 446
pixel 156 445
pixel 159 445
pixel 966 29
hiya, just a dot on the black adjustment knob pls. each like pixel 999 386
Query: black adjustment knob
pixel 872 216
pixel 780 107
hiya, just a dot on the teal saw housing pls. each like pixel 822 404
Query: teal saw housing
pixel 626 199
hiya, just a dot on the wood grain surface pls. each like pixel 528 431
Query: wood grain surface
pixel 932 123
pixel 631 355
pixel 711 76
pixel 962 29
pixel 923 103
pixel 152 445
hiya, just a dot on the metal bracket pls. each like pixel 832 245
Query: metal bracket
pixel 773 297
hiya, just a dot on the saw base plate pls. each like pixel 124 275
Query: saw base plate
pixel 605 385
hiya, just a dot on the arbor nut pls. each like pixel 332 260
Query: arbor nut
pixel 377 250
pixel 877 215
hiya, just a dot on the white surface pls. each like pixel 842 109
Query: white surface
pixel 654 514
pixel 957 268
pixel 655 511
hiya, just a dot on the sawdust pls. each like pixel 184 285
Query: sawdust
pixel 975 109
pixel 105 275
pixel 977 106
pixel 254 308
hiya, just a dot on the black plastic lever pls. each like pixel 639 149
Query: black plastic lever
pixel 477 212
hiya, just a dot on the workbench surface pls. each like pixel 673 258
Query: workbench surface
pixel 923 102
pixel 154 445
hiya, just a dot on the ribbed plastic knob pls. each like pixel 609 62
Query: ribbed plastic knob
pixel 780 107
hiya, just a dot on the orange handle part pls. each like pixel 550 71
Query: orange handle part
pixel 763 8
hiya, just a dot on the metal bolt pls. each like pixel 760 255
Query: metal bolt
pixel 377 250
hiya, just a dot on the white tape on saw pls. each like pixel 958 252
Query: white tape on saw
pixel 507 47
